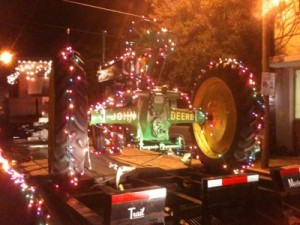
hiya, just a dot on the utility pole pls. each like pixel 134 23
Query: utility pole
pixel 265 69
pixel 104 32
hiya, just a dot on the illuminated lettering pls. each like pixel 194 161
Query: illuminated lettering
pixel 113 117
pixel 136 214
pixel 172 115
pixel 182 116
pixel 293 183
pixel 121 116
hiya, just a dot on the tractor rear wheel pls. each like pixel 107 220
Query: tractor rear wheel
pixel 226 92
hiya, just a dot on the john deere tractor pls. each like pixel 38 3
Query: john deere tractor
pixel 218 122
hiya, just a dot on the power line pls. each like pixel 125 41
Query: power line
pixel 56 27
pixel 106 9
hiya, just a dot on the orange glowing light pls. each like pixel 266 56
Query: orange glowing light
pixel 6 57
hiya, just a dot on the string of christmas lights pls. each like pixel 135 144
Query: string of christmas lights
pixel 258 113
pixel 35 202
pixel 140 59
pixel 137 58
pixel 117 137
pixel 31 69
pixel 72 62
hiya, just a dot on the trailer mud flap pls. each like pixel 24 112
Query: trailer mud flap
pixel 286 178
pixel 138 206
pixel 221 194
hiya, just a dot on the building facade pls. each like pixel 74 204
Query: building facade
pixel 285 62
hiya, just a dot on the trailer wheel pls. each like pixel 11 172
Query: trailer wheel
pixel 234 108
pixel 71 118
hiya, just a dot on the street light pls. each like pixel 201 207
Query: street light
pixel 6 57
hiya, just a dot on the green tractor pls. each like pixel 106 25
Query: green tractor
pixel 150 114
pixel 219 122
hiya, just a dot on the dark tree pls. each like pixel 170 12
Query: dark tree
pixel 208 29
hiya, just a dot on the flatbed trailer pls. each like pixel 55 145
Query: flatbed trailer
pixel 157 197
pixel 159 190
pixel 183 194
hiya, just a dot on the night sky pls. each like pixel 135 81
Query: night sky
pixel 38 28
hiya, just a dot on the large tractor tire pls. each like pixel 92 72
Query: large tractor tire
pixel 71 118
pixel 226 92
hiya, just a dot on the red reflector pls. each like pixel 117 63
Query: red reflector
pixel 289 171
pixel 139 196
pixel 234 180
pixel 129 197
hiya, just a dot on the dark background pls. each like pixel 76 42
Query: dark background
pixel 38 28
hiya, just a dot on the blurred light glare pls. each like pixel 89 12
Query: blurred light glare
pixel 268 5
pixel 6 57
pixel 275 2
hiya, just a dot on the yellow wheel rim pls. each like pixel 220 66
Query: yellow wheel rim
pixel 215 98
